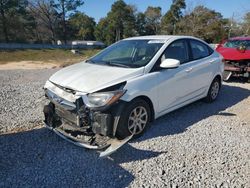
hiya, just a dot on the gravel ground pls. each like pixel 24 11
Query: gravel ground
pixel 201 145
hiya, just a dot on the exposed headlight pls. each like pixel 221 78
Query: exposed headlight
pixel 96 100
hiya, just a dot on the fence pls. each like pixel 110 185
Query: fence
pixel 13 46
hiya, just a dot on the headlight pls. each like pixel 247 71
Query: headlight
pixel 101 99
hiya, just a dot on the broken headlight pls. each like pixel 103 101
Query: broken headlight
pixel 101 99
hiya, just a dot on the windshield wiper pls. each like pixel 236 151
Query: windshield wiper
pixel 112 63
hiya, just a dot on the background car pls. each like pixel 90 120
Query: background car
pixel 236 52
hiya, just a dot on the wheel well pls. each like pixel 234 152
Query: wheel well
pixel 145 98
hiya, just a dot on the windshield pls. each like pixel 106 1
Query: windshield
pixel 128 53
pixel 237 43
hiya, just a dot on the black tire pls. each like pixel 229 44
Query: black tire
pixel 213 91
pixel 125 122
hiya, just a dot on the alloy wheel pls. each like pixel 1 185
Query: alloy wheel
pixel 138 119
pixel 215 90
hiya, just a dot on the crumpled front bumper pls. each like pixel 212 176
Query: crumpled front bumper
pixel 112 144
pixel 67 116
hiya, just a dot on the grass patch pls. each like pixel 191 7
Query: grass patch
pixel 60 56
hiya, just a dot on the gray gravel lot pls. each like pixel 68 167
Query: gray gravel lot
pixel 201 145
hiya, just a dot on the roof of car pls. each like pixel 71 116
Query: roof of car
pixel 240 38
pixel 159 37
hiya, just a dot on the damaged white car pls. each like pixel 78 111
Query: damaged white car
pixel 108 99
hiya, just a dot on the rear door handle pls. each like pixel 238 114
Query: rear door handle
pixel 212 60
pixel 189 69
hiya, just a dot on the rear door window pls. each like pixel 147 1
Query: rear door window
pixel 199 50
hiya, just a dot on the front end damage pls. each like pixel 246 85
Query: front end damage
pixel 237 68
pixel 69 117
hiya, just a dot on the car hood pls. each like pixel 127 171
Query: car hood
pixel 233 54
pixel 87 77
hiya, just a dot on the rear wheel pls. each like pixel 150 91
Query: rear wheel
pixel 213 91
pixel 134 120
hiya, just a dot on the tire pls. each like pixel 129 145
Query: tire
pixel 135 119
pixel 213 91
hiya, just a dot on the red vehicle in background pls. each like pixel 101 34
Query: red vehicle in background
pixel 236 52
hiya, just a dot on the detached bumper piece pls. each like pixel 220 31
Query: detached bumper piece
pixel 92 130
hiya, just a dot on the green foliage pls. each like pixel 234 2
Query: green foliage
pixel 153 18
pixel 46 21
pixel 83 26
pixel 101 30
pixel 141 24
pixel 170 19
pixel 121 20
pixel 12 19
pixel 120 23
pixel 246 24
pixel 64 7
pixel 203 23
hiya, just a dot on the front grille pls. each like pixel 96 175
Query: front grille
pixel 75 113
pixel 65 114
pixel 79 117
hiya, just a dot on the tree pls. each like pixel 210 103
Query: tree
pixel 83 26
pixel 64 7
pixel 121 20
pixel 203 23
pixel 119 23
pixel 129 22
pixel 141 24
pixel 152 18
pixel 101 30
pixel 246 24
pixel 46 18
pixel 8 7
pixel 172 17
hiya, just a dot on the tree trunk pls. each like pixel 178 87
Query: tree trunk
pixel 52 30
pixel 118 35
pixel 4 26
pixel 64 23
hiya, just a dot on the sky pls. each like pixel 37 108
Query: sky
pixel 228 8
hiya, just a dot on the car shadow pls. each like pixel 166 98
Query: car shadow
pixel 178 121
pixel 39 157
pixel 242 80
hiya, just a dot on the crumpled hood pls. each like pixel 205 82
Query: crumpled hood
pixel 233 54
pixel 86 77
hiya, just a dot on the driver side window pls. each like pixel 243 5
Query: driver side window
pixel 177 50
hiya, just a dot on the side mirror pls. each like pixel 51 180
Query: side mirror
pixel 170 63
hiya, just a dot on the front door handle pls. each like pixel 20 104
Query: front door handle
pixel 189 69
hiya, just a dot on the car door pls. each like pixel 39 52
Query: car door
pixel 173 84
pixel 199 69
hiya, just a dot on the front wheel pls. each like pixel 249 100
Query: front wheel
pixel 213 91
pixel 134 120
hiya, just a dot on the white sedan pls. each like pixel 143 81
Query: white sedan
pixel 108 99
